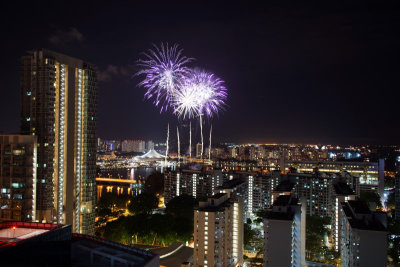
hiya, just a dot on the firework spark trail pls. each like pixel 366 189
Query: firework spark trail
pixel 164 69
pixel 179 144
pixel 190 139
pixel 166 150
pixel 201 131
pixel 209 148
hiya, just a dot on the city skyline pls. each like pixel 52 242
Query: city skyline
pixel 200 135
pixel 319 73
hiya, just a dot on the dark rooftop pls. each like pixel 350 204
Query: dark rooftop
pixel 359 207
pixel 284 186
pixel 367 221
pixel 217 196
pixel 272 215
pixel 342 188
pixel 56 245
pixel 285 200
pixel 231 184
pixel 219 207
pixel 174 255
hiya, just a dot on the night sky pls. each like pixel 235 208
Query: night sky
pixel 318 73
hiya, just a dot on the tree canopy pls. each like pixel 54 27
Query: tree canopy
pixel 144 203
pixel 316 228
pixel 154 229
pixel 155 183
pixel 369 197
pixel 181 206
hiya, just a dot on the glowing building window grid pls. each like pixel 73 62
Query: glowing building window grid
pixel 78 150
pixel 235 237
pixel 337 225
pixel 61 145
pixel 34 184
pixel 213 183
pixel 250 195
pixel 177 184
pixel 205 234
pixel 194 178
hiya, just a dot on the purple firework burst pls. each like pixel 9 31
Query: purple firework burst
pixel 201 93
pixel 164 70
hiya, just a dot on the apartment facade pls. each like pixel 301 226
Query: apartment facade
pixel 363 235
pixel 218 232
pixel 17 178
pixel 195 183
pixel 58 105
pixel 284 233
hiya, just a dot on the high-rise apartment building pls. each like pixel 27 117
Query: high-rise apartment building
pixel 258 193
pixel 195 183
pixel 397 194
pixel 317 189
pixel 371 175
pixel 284 233
pixel 127 146
pixel 58 95
pixel 218 232
pixel 363 235
pixel 149 145
pixel 139 146
pixel 112 145
pixel 341 193
pixel 17 178
pixel 322 194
